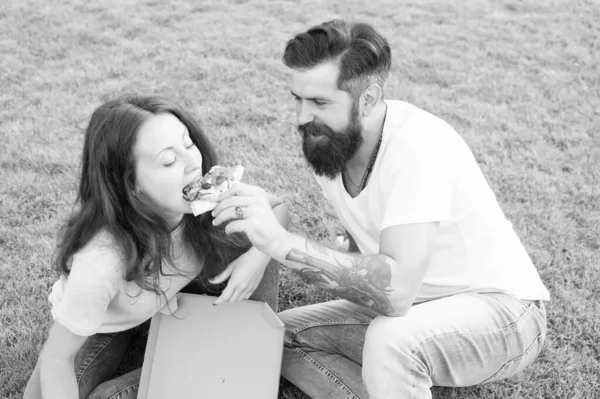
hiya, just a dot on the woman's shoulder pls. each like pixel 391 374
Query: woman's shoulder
pixel 102 252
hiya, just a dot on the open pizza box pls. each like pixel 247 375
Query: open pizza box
pixel 202 351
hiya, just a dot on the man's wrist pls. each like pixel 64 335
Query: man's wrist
pixel 281 246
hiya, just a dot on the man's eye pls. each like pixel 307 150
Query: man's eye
pixel 320 103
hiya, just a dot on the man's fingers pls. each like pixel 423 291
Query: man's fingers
pixel 235 226
pixel 231 202
pixel 237 189
pixel 230 214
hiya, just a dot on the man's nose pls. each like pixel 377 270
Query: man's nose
pixel 303 114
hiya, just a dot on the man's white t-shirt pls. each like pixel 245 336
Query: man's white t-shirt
pixel 95 298
pixel 425 172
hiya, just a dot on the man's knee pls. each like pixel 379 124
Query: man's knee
pixel 388 346
pixel 295 321
pixel 394 363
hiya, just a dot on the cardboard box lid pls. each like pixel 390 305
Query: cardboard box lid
pixel 232 350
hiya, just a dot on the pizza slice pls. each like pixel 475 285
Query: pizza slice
pixel 203 192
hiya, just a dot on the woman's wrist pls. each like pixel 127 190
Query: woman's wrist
pixel 260 256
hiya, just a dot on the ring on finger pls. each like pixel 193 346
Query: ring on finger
pixel 239 212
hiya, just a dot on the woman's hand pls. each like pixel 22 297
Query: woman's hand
pixel 245 274
pixel 248 209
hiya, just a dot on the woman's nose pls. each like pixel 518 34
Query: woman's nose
pixel 193 167
pixel 193 162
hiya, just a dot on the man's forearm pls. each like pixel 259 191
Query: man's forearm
pixel 362 279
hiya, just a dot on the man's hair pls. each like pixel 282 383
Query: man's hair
pixel 363 55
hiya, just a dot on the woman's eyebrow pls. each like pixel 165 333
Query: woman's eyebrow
pixel 185 130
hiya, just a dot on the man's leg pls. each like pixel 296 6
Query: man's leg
pixel 323 348
pixel 461 340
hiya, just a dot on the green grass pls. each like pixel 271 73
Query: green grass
pixel 518 79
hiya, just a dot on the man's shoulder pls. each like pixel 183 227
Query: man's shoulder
pixel 407 115
pixel 410 125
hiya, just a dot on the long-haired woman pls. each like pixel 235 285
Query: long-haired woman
pixel 132 244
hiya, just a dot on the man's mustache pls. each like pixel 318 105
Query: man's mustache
pixel 315 129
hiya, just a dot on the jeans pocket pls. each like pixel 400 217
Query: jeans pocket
pixel 519 363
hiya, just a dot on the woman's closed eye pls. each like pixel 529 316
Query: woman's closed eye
pixel 187 142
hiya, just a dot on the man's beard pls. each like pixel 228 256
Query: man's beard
pixel 329 154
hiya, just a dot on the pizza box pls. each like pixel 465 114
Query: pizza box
pixel 232 350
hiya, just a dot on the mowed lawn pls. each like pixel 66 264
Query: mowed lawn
pixel 518 79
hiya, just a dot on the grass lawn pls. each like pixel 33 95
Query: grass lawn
pixel 520 80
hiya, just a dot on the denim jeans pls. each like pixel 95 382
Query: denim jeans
pixel 341 350
pixel 98 360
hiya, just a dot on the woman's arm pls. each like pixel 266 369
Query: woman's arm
pixel 57 373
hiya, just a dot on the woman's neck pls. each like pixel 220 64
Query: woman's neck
pixel 176 224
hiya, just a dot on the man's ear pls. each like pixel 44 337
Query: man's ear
pixel 370 98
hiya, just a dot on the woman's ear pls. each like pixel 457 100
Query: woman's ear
pixel 134 189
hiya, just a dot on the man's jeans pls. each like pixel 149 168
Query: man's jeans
pixel 100 356
pixel 342 350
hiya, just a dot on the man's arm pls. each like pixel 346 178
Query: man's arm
pixel 386 282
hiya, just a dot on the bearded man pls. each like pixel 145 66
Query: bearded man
pixel 442 291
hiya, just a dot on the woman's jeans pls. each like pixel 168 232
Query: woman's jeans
pixel 341 350
pixel 97 362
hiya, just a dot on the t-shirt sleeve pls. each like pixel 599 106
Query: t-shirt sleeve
pixel 420 183
pixel 93 282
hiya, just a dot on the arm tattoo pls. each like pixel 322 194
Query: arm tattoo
pixel 365 282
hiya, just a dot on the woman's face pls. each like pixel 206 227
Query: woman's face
pixel 166 160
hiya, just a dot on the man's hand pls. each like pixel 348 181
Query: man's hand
pixel 247 209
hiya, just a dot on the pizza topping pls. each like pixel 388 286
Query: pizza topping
pixel 207 187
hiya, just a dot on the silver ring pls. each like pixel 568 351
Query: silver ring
pixel 239 212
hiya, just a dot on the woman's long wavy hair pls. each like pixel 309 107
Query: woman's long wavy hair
pixel 106 199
